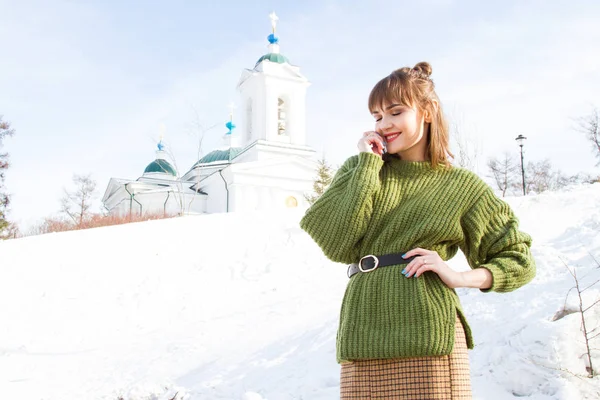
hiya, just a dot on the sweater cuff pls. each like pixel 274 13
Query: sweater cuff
pixel 499 279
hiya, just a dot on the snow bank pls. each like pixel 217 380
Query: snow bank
pixel 245 307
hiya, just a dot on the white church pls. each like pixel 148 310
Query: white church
pixel 266 167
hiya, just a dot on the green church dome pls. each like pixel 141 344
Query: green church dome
pixel 219 155
pixel 162 166
pixel 273 57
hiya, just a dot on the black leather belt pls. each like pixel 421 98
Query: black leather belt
pixel 371 263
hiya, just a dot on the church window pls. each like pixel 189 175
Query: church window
pixel 249 121
pixel 281 116
pixel 291 202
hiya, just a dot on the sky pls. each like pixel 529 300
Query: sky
pixel 87 85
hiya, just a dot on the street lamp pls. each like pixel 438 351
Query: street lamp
pixel 521 140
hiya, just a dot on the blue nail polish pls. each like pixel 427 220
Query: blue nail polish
pixel 403 255
pixel 404 271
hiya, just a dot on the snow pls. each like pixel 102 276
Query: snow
pixel 245 306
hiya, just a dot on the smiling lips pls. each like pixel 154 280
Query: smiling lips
pixel 392 136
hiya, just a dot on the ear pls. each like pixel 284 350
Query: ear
pixel 428 116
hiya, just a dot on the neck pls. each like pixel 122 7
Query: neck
pixel 406 156
pixel 416 153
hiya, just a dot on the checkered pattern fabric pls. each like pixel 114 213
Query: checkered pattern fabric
pixel 419 378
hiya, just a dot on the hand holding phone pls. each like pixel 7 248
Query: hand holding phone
pixel 372 142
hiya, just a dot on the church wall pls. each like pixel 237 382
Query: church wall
pixel 195 204
pixel 154 203
pixel 297 118
pixel 253 91
pixel 217 194
pixel 265 198
pixel 122 209
pixel 275 187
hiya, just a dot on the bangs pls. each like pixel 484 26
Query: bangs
pixel 393 89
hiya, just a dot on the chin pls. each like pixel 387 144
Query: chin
pixel 394 150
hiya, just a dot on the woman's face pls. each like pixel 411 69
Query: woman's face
pixel 403 130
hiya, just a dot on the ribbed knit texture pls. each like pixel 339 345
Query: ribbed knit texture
pixel 377 207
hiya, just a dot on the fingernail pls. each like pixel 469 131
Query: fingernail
pixel 403 255
pixel 404 271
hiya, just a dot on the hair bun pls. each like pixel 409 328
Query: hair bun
pixel 424 68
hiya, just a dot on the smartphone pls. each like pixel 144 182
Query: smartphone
pixel 384 143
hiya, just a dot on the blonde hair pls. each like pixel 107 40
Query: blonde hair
pixel 413 87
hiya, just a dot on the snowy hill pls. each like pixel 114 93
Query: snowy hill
pixel 245 307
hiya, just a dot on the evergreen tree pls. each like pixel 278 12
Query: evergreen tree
pixel 5 131
pixel 324 176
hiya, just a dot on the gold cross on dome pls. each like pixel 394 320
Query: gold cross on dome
pixel 274 18
pixel 231 107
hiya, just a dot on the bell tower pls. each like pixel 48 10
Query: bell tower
pixel 273 96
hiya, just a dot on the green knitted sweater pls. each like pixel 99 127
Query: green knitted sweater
pixel 377 207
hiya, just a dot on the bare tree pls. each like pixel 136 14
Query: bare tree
pixel 463 142
pixel 590 125
pixel 76 204
pixel 562 180
pixel 588 333
pixel 503 171
pixel 199 129
pixel 5 130
pixel 540 176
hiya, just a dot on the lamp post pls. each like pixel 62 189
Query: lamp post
pixel 521 140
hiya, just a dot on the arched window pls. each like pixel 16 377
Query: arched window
pixel 249 120
pixel 291 202
pixel 281 116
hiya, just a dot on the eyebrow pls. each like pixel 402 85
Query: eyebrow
pixel 388 108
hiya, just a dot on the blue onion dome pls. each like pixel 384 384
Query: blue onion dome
pixel 273 39
pixel 160 146
pixel 160 166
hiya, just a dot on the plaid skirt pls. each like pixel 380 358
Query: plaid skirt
pixel 419 378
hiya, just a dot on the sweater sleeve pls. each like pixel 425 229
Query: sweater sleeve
pixel 492 240
pixel 338 220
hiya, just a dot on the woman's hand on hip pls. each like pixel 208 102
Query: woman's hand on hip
pixel 428 260
pixel 371 142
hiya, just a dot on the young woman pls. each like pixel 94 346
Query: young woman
pixel 396 212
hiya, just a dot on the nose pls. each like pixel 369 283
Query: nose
pixel 385 123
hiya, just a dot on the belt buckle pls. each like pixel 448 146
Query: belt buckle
pixel 375 263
